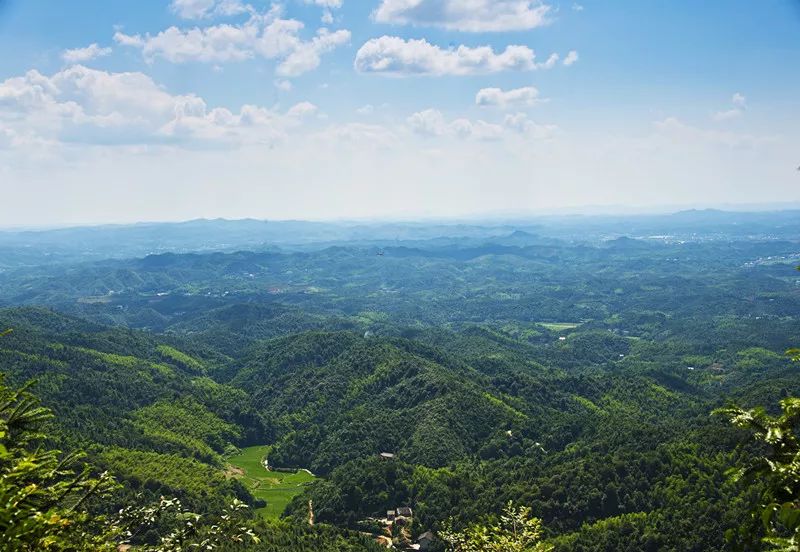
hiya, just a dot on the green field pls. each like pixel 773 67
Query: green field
pixel 559 326
pixel 276 488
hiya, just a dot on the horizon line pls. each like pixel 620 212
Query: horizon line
pixel 587 211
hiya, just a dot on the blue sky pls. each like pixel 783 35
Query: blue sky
pixel 124 111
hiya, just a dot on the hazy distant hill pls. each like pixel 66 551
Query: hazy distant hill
pixel 32 247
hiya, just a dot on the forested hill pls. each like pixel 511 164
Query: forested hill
pixel 117 391
pixel 574 378
pixel 595 427
pixel 473 430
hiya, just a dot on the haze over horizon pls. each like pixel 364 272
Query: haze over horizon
pixel 499 218
pixel 331 109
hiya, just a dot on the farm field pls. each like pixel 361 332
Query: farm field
pixel 276 488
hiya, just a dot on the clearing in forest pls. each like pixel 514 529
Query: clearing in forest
pixel 559 326
pixel 276 488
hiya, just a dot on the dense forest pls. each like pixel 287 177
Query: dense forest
pixel 574 377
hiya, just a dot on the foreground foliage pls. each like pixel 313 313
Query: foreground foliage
pixel 776 467
pixel 515 531
pixel 44 494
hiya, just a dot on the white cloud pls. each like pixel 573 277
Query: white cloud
pixel 527 96
pixel 330 4
pixel 327 5
pixel 302 109
pixel 81 55
pixel 520 122
pixel 79 104
pixel 396 56
pixel 577 7
pixel 192 9
pixel 265 35
pixel 199 9
pixel 739 103
pixel 571 58
pixel 431 122
pixel 368 109
pixel 549 64
pixel 283 85
pixel 122 39
pixel 307 55
pixel 478 130
pixel 471 16
pixel 215 44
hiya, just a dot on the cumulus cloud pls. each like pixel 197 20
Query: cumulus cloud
pixel 571 58
pixel 367 109
pixel 431 122
pixel 739 103
pixel 458 15
pixel 306 56
pixel 82 55
pixel 266 35
pixel 527 96
pixel 79 104
pixel 396 56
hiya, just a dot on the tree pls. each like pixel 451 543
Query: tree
pixel 778 470
pixel 187 530
pixel 517 531
pixel 43 494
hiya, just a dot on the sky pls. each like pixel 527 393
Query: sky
pixel 370 109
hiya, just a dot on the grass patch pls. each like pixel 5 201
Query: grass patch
pixel 559 326
pixel 276 488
